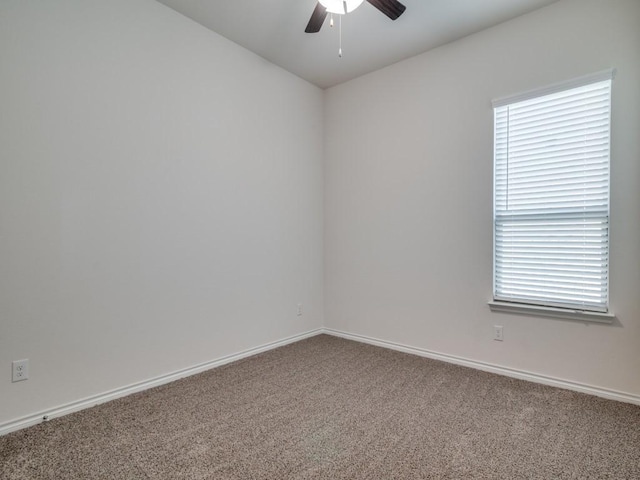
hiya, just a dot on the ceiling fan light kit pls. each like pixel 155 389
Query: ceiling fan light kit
pixel 391 8
pixel 341 7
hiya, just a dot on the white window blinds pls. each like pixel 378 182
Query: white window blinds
pixel 551 198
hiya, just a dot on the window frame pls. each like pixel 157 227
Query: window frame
pixel 549 309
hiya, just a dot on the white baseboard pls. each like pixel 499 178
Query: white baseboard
pixel 78 405
pixel 488 367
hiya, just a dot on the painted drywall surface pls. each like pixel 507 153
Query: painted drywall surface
pixel 408 195
pixel 160 198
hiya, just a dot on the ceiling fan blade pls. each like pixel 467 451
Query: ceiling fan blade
pixel 317 19
pixel 391 8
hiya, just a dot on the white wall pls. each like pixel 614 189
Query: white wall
pixel 160 198
pixel 408 195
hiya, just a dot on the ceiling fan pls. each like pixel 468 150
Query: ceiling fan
pixel 391 8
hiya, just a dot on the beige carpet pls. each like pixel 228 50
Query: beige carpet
pixel 327 408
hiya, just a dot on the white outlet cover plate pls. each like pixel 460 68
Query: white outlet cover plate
pixel 19 370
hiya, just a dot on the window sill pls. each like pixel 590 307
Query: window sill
pixel 552 312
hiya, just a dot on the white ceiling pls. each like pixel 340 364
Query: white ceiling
pixel 274 29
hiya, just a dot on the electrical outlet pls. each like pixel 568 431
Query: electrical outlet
pixel 299 310
pixel 19 370
pixel 497 333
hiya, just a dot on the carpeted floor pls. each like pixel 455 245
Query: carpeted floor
pixel 327 408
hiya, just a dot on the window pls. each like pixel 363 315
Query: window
pixel 551 196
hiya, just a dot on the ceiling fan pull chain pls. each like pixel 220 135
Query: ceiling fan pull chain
pixel 340 27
